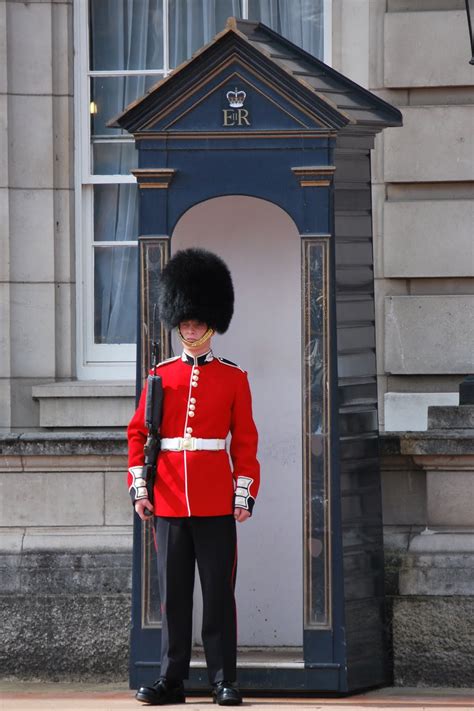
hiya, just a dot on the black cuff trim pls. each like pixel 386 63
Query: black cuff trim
pixel 250 504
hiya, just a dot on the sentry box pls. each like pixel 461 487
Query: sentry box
pixel 258 151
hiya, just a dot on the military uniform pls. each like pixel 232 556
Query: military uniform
pixel 200 479
pixel 195 492
pixel 205 398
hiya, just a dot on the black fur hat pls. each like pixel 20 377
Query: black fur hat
pixel 196 284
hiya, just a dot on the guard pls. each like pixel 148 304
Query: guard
pixel 200 492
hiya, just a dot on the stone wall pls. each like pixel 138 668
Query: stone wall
pixel 430 551
pixel 36 204
pixel 65 557
pixel 66 540
pixel 416 55
pixel 65 615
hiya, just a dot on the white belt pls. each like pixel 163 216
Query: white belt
pixel 191 444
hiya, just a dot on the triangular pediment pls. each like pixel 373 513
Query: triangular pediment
pixel 250 79
pixel 235 97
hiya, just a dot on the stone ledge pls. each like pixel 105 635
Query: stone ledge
pixel 397 537
pixel 115 539
pixel 49 444
pixel 66 573
pixel 408 412
pixel 440 443
pixel 389 443
pixel 85 388
pixel 428 541
pixel 457 418
pixel 437 575
pixel 454 443
pixel 85 403
pixel 439 563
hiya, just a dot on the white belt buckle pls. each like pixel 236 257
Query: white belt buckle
pixel 188 444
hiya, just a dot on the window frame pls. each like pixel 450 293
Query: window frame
pixel 104 361
pixel 109 361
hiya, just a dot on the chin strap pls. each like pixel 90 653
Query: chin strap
pixel 196 344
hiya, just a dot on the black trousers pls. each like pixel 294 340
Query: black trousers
pixel 210 541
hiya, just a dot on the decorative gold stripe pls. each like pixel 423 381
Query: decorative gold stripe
pixel 153 172
pixel 160 186
pixel 315 170
pixel 144 176
pixel 314 176
pixel 233 134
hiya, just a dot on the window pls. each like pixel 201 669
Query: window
pixel 123 47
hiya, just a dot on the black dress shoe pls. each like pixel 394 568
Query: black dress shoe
pixel 224 694
pixel 162 692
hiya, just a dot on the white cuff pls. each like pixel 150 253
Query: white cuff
pixel 137 488
pixel 243 498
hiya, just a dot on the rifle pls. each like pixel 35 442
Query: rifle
pixel 153 411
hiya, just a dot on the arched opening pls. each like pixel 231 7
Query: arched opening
pixel 262 248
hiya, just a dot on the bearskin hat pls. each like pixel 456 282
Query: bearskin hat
pixel 196 284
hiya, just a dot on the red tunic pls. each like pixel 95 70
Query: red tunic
pixel 201 483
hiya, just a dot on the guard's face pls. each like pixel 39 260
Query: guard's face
pixel 192 330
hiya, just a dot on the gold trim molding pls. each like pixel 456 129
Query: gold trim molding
pixel 314 176
pixel 154 177
pixel 200 135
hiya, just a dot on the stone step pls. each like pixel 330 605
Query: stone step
pixel 441 417
pixel 85 403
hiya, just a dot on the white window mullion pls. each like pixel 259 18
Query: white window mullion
pixel 108 361
pixel 88 286
pixel 125 72
pixel 166 39
pixel 327 31
pixel 109 243
pixel 81 166
pixel 108 179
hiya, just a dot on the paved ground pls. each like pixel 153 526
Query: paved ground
pixel 16 696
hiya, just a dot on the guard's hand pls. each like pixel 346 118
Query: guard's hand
pixel 241 515
pixel 140 507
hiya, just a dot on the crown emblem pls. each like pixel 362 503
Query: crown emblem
pixel 236 98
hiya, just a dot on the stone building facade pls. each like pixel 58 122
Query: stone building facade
pixel 65 516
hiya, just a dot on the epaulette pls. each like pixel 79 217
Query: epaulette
pixel 168 360
pixel 229 362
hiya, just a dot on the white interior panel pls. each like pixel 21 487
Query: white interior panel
pixel 261 245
